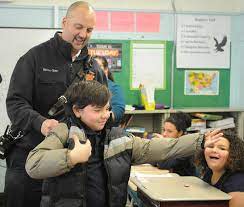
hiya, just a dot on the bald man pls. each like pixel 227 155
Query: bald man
pixel 39 78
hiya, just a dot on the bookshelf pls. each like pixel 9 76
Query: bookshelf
pixel 153 120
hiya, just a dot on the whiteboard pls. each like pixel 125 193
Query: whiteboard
pixel 148 65
pixel 15 42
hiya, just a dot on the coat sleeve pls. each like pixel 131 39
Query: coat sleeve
pixel 19 100
pixel 49 158
pixel 146 151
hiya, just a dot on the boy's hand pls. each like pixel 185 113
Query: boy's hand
pixel 81 152
pixel 211 137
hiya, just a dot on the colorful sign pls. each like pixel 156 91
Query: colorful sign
pixel 112 52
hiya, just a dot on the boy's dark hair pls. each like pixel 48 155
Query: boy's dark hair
pixel 181 121
pixel 86 93
pixel 105 65
pixel 236 153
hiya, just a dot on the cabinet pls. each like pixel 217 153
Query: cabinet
pixel 153 120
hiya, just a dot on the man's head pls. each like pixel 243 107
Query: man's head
pixel 78 25
pixel 90 103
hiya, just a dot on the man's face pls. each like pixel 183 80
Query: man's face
pixel 78 27
pixel 95 117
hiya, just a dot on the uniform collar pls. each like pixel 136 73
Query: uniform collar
pixel 65 48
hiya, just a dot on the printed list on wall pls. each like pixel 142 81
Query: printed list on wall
pixel 203 41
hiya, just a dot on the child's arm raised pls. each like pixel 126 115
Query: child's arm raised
pixel 146 151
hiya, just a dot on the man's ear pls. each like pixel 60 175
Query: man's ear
pixel 64 20
pixel 76 111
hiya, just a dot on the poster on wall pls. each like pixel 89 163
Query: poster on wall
pixel 201 82
pixel 111 51
pixel 146 71
pixel 203 41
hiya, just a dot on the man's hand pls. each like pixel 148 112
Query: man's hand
pixel 211 137
pixel 48 125
pixel 81 152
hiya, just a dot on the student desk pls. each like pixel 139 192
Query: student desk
pixel 179 191
pixel 145 170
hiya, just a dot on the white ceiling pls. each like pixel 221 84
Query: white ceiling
pixel 222 6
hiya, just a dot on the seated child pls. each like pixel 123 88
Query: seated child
pixel 222 165
pixel 86 164
pixel 174 127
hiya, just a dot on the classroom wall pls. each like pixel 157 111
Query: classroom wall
pixel 49 16
pixel 237 63
pixel 163 5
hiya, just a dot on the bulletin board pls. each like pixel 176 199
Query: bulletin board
pixel 163 96
pixel 123 77
pixel 221 100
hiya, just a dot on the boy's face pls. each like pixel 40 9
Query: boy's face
pixel 169 130
pixel 94 117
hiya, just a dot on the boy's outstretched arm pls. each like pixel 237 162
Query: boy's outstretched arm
pixel 159 149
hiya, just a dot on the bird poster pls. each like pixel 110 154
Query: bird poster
pixel 203 41
pixel 201 82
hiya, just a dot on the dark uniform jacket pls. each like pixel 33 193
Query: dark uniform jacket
pixel 66 186
pixel 39 78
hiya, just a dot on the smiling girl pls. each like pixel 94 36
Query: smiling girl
pixel 222 166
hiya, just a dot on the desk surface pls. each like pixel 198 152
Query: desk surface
pixel 145 170
pixel 179 188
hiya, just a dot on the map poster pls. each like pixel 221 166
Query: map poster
pixel 201 82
